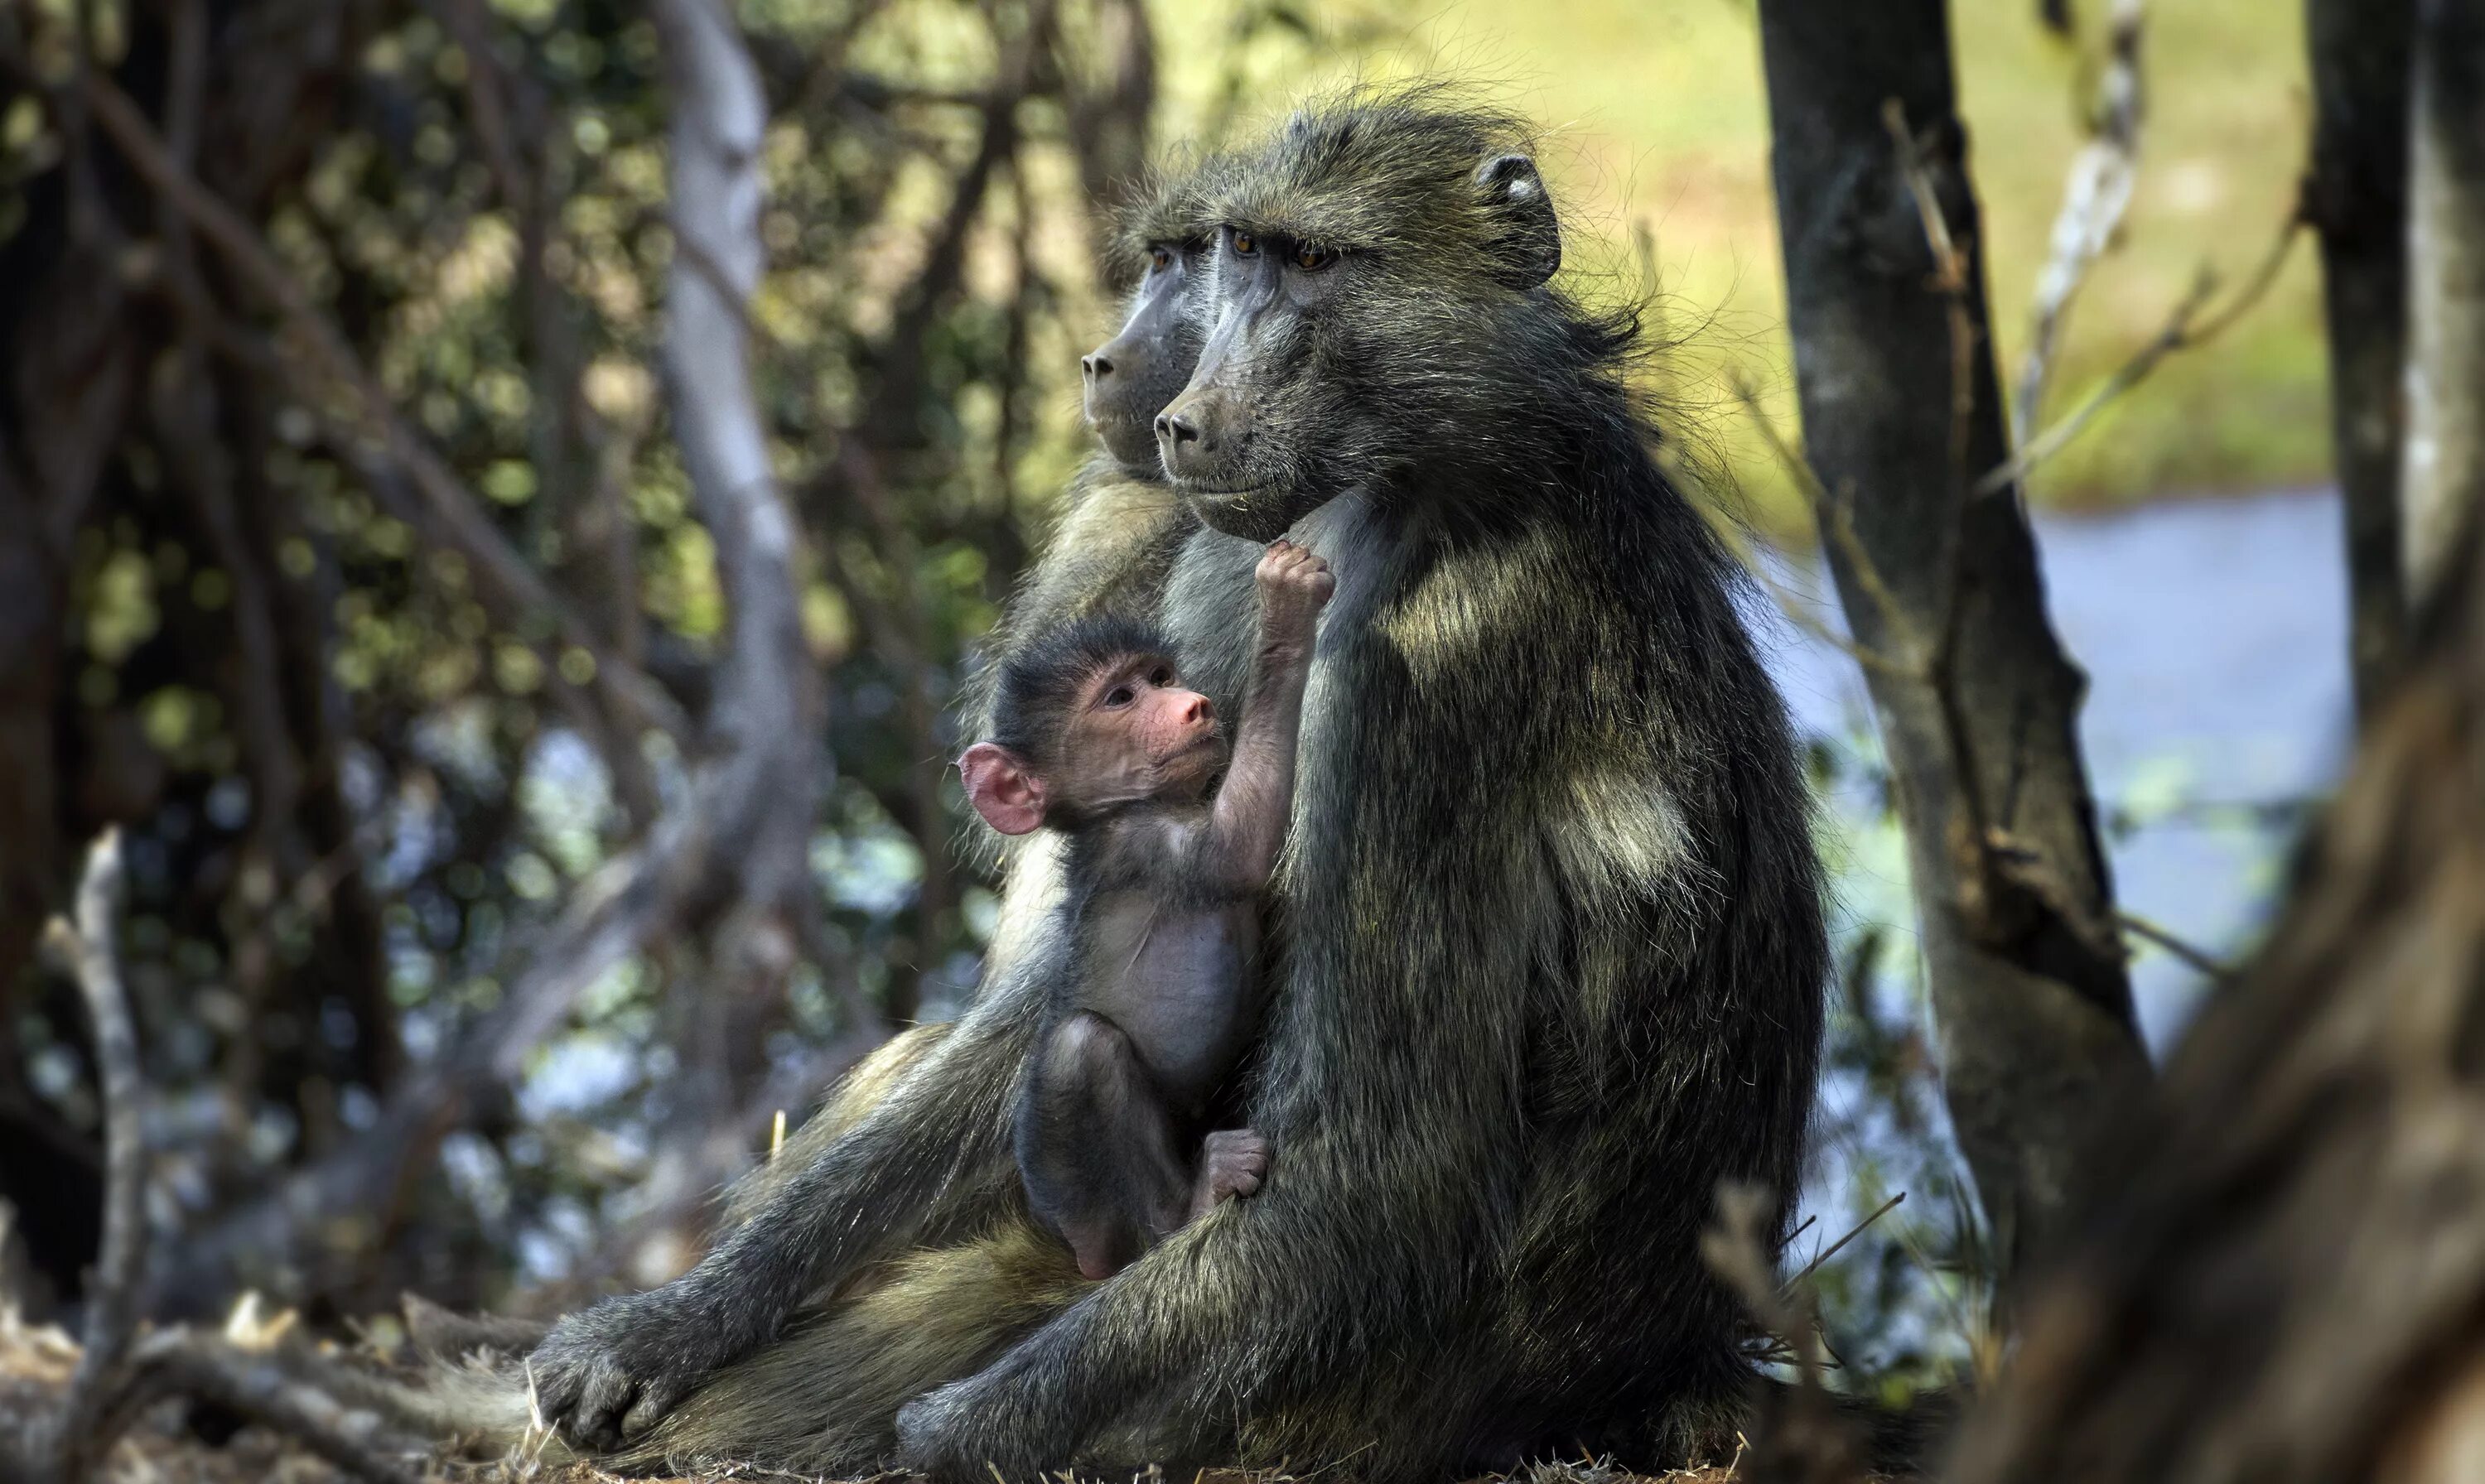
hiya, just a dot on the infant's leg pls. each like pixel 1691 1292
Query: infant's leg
pixel 1096 1147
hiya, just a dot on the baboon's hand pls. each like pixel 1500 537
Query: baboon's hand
pixel 605 1375
pixel 1293 584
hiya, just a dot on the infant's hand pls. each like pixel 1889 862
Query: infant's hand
pixel 1293 584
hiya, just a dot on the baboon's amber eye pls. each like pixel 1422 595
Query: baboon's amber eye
pixel 1312 260
pixel 1160 259
pixel 1245 245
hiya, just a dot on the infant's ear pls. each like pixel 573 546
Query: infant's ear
pixel 1003 790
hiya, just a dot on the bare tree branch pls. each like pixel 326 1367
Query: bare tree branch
pixel 1901 408
pixel 86 947
pixel 2094 199
pixel 2188 326
pixel 2148 930
pixel 2282 1281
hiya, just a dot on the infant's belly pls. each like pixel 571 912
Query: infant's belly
pixel 1183 997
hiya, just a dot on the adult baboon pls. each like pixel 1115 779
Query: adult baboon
pixel 1549 946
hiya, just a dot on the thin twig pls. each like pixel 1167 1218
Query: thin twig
pixel 1854 1232
pixel 2142 927
pixel 1835 526
pixel 1733 1250
pixel 2183 330
pixel 87 950
pixel 1951 279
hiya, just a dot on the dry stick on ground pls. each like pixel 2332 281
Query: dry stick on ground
pixel 118 1376
pixel 2095 198
pixel 86 950
pixel 256 1386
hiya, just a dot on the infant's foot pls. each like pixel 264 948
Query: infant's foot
pixel 1232 1162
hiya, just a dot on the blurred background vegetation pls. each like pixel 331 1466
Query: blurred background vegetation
pixel 360 778
pixel 1658 127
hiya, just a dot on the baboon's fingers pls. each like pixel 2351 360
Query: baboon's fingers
pixel 606 1395
pixel 656 1399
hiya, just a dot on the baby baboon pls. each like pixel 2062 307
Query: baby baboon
pixel 1096 740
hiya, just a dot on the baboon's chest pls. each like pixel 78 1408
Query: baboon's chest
pixel 1176 981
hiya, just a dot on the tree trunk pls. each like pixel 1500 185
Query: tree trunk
pixel 2444 464
pixel 2358 202
pixel 1978 703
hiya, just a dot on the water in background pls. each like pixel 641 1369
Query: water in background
pixel 2214 634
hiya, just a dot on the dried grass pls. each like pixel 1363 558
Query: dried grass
pixel 36 1362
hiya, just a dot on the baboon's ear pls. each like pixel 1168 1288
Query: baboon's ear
pixel 1528 240
pixel 1003 790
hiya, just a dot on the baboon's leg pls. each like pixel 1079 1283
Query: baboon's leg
pixel 823 1399
pixel 930 1156
pixel 1096 1146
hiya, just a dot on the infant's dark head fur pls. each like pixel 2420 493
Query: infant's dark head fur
pixel 1039 681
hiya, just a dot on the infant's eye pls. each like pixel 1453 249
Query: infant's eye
pixel 1245 245
pixel 1311 259
pixel 1161 676
pixel 1119 695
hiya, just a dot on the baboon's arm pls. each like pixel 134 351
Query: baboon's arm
pixel 1247 826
